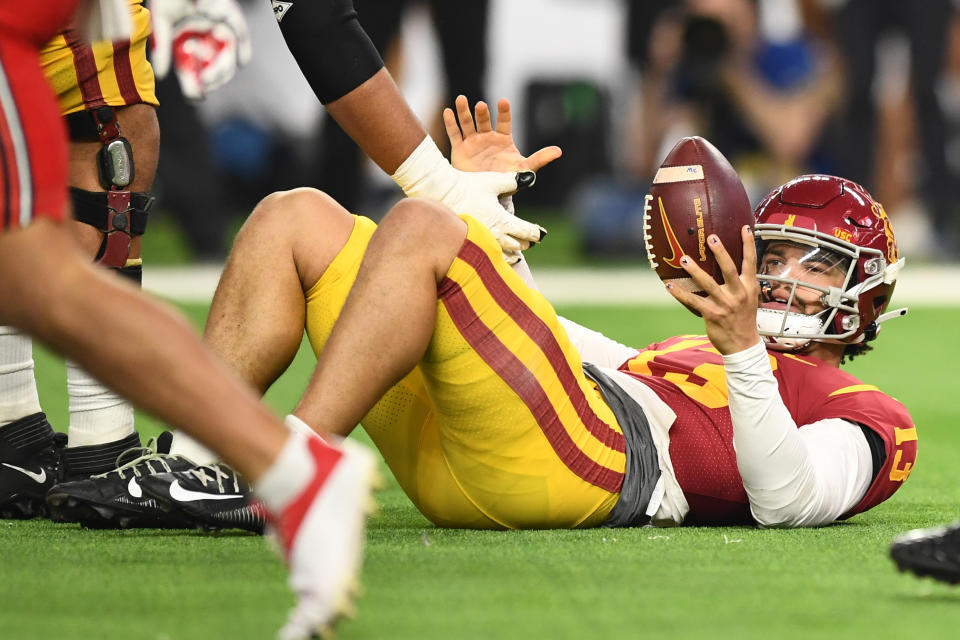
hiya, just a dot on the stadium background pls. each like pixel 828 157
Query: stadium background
pixel 422 582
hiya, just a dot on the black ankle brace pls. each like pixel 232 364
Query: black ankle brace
pixel 90 460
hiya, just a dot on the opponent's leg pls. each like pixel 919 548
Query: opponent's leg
pixel 86 300
pixel 317 492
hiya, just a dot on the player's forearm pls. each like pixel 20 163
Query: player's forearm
pixel 378 118
pixel 783 481
pixel 346 72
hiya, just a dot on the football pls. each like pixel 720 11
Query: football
pixel 695 192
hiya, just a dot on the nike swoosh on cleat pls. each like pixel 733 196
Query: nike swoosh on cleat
pixel 186 495
pixel 133 488
pixel 39 478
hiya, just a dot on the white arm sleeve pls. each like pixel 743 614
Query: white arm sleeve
pixel 794 477
pixel 596 348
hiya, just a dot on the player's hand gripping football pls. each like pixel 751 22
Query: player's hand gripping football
pixel 729 310
pixel 205 40
pixel 482 154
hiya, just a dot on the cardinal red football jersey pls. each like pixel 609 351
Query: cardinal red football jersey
pixel 687 373
pixel 33 138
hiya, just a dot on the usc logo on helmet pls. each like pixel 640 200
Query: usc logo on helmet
pixel 846 236
pixel 892 254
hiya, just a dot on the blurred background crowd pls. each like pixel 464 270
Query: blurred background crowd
pixel 865 89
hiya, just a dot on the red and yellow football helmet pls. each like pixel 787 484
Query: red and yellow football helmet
pixel 841 228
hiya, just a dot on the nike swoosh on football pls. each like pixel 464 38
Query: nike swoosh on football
pixel 39 478
pixel 133 488
pixel 186 495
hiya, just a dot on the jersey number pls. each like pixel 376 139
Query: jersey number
pixel 710 386
pixel 898 473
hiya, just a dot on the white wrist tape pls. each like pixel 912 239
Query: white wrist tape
pixel 426 173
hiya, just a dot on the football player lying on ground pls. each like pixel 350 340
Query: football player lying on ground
pixel 316 492
pixel 478 397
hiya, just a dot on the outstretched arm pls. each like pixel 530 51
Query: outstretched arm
pixel 347 74
pixel 378 118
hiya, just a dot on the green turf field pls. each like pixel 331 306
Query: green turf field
pixel 423 582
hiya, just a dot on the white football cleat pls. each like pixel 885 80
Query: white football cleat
pixel 321 534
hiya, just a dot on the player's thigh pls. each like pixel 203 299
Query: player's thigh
pixel 404 428
pixel 526 436
pixel 402 423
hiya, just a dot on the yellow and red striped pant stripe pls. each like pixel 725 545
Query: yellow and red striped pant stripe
pixel 86 76
pixel 497 426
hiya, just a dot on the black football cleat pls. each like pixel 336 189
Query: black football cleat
pixel 213 497
pixel 29 465
pixel 115 500
pixel 933 553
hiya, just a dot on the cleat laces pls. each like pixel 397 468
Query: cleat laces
pixel 217 472
pixel 141 461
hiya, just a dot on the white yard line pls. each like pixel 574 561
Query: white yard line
pixel 919 286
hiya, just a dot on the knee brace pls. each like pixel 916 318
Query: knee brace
pixel 120 215
pixel 117 213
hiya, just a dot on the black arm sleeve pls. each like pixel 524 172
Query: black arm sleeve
pixel 332 49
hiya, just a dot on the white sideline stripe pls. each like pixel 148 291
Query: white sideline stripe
pixel 920 286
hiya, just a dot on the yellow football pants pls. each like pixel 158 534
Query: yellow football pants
pixel 497 427
pixel 86 76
